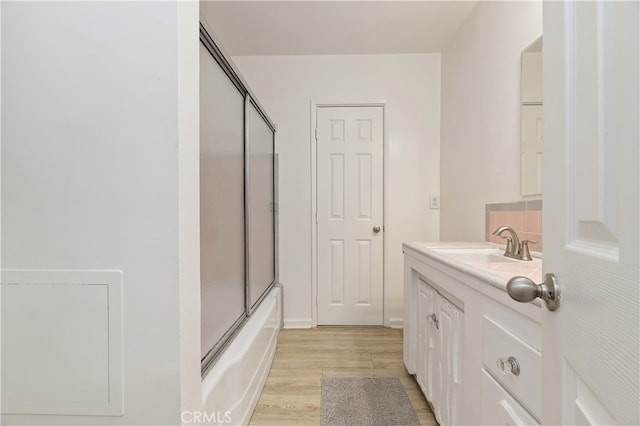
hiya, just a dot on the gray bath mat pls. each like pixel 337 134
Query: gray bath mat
pixel 366 401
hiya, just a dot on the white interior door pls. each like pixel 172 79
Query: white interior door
pixel 349 143
pixel 591 225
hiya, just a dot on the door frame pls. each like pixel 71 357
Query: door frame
pixel 315 105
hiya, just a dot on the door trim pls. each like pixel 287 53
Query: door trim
pixel 315 105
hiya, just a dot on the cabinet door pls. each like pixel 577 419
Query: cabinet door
pixel 440 353
pixel 421 359
pixel 450 324
pixel 427 298
pixel 433 358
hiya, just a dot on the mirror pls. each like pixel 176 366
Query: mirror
pixel 531 135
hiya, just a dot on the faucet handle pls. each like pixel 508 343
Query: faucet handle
pixel 509 248
pixel 524 249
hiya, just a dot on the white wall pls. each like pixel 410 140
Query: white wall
pixel 286 85
pixel 189 203
pixel 90 140
pixel 480 148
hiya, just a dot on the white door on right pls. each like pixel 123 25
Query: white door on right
pixel 591 204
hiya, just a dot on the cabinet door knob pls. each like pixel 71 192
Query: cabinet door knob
pixel 509 366
pixel 376 229
pixel 522 289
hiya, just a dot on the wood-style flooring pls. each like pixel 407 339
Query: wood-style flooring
pixel 291 394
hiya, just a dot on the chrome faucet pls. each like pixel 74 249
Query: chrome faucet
pixel 515 248
pixel 513 243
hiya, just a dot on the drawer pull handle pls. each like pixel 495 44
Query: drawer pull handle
pixel 433 320
pixel 509 366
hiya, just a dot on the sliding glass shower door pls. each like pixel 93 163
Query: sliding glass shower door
pixel 237 201
pixel 222 226
pixel 260 203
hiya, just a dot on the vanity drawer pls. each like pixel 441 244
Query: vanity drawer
pixel 499 408
pixel 515 364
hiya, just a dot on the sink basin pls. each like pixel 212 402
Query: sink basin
pixel 475 255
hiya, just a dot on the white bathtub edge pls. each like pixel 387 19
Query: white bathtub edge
pixel 232 387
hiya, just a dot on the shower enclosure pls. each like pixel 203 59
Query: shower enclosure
pixel 238 221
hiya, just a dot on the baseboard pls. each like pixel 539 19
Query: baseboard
pixel 231 389
pixel 308 323
pixel 298 323
pixel 395 323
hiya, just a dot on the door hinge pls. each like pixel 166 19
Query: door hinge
pixel 316 217
pixel 316 134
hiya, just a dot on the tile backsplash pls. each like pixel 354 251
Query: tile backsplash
pixel 525 217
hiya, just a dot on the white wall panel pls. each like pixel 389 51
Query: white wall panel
pixel 90 173
pixel 480 158
pixel 64 331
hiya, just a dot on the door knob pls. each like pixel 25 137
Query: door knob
pixel 509 366
pixel 376 229
pixel 522 289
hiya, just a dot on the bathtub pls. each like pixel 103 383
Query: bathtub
pixel 231 389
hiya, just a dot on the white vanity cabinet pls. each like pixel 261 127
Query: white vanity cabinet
pixel 474 351
pixel 439 352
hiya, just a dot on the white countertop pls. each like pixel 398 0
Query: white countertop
pixel 495 273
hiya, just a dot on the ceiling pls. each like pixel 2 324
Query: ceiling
pixel 333 27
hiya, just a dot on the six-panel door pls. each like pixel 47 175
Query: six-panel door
pixel 349 215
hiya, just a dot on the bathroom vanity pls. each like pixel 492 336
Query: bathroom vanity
pixel 475 352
